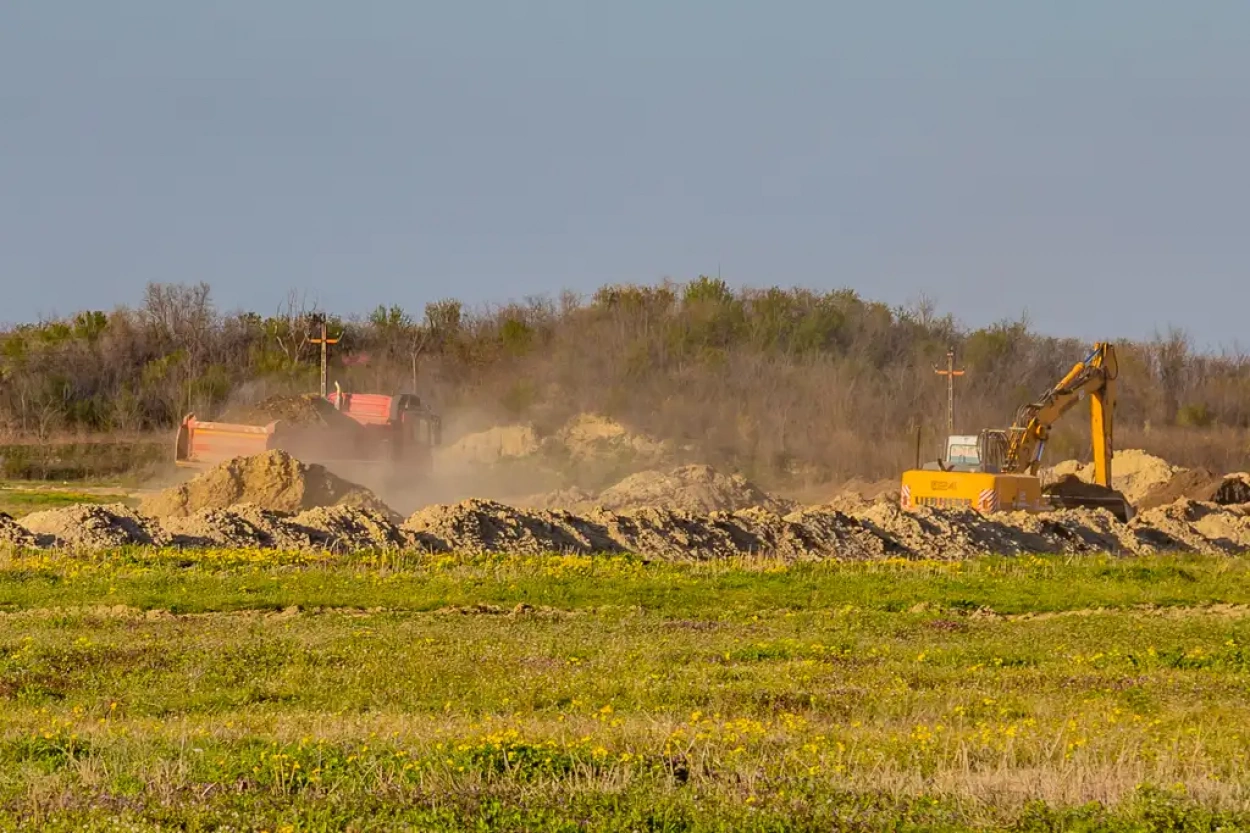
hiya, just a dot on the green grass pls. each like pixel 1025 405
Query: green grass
pixel 153 689
pixel 19 501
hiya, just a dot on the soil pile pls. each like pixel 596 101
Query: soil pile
pixel 214 527
pixel 333 528
pixel 273 480
pixel 951 534
pixel 1077 531
pixel 877 531
pixel 493 445
pixel 873 531
pixel 690 489
pixel 1133 472
pixel 346 528
pixel 815 533
pixel 13 534
pixel 245 525
pixel 1193 526
pixel 571 499
pixel 588 436
pixel 307 409
pixel 880 490
pixel 486 526
pixel 1199 485
pixel 94 526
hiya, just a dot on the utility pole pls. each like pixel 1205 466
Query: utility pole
pixel 325 341
pixel 950 373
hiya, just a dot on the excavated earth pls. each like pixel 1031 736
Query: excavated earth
pixel 871 531
pixel 273 480
pixel 302 409
pixel 691 488
pixel 1198 484
pixel 273 501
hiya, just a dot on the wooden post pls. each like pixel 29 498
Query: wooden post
pixel 325 341
pixel 950 373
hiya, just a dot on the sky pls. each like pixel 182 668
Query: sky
pixel 1081 163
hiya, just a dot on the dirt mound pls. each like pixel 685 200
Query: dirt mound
pixel 334 528
pixel 1133 472
pixel 13 534
pixel 1173 528
pixel 273 480
pixel 1199 485
pixel 486 526
pixel 1063 469
pixel 1226 526
pixel 306 409
pixel 691 489
pixel 94 526
pixel 346 528
pixel 817 533
pixel 949 535
pixel 1077 531
pixel 492 445
pixel 593 435
pixel 870 492
pixel 570 499
pixel 243 525
pixel 873 531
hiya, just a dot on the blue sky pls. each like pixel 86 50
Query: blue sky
pixel 1081 161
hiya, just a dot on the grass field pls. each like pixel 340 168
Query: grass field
pixel 22 499
pixel 159 690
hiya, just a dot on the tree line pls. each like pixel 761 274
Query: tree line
pixel 773 381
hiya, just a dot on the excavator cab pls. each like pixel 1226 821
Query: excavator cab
pixel 983 452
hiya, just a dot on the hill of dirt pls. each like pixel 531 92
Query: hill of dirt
pixel 594 435
pixel 14 534
pixel 1134 473
pixel 1198 485
pixel 693 488
pixel 92 526
pixel 305 409
pixel 501 442
pixel 872 531
pixel 584 438
pixel 273 480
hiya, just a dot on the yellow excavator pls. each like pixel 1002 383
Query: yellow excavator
pixel 997 468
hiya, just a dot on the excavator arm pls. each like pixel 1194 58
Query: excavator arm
pixel 1094 377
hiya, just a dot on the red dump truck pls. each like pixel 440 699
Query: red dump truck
pixel 356 428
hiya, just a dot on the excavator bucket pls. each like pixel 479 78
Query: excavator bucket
pixel 201 443
pixel 1073 493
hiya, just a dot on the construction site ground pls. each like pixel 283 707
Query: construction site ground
pixel 689 512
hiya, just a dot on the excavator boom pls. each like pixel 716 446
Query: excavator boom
pixel 1094 377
